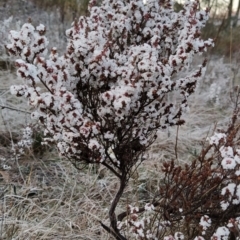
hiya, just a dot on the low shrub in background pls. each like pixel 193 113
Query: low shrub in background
pixel 200 200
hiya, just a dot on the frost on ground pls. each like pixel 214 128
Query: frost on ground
pixel 14 111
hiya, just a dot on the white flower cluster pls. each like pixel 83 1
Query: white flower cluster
pixel 222 233
pixel 205 222
pixel 177 236
pixel 139 229
pixel 216 138
pixel 230 160
pixel 28 42
pixel 25 142
pixel 111 85
pixel 138 225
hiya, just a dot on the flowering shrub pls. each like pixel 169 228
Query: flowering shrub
pixel 200 200
pixel 104 99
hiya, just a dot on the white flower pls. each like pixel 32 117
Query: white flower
pixel 222 233
pixel 149 207
pixel 228 163
pixel 216 138
pixel 205 222
pixel 178 236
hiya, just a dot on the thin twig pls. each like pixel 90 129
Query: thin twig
pixel 176 144
pixel 14 109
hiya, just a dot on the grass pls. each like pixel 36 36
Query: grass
pixel 53 201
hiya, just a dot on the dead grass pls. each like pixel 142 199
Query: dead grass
pixel 54 201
